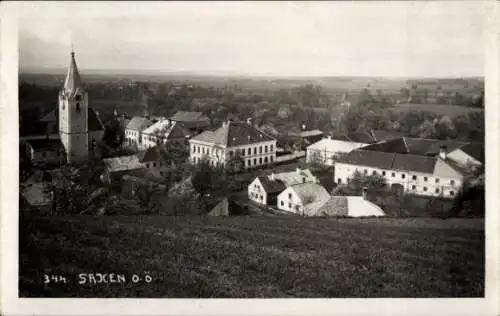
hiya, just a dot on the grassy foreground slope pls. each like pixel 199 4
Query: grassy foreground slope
pixel 254 256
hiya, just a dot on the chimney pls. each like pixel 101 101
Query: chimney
pixel 365 190
pixel 442 152
pixel 272 177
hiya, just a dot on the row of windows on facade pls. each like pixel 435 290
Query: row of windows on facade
pixel 282 203
pixel 247 163
pixel 413 187
pixel 403 176
pixel 258 197
pixel 242 152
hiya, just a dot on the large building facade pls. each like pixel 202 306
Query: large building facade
pixel 234 139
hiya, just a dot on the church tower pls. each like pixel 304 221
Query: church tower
pixel 73 116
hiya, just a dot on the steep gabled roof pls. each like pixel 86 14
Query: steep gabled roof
pixel 475 150
pixel 73 82
pixel 94 122
pixel 293 177
pixel 122 163
pixel 379 135
pixel 362 157
pixel 45 144
pixel 271 186
pixel 313 191
pixel 169 130
pixel 152 154
pixel 139 123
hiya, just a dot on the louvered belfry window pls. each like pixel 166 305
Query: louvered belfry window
pixel 78 99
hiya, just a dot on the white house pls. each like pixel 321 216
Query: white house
pixel 116 167
pixel 134 129
pixel 253 146
pixel 415 174
pixel 162 132
pixel 195 122
pixel 265 189
pixel 154 160
pixel 329 149
pixel 302 198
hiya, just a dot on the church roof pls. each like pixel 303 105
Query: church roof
pixel 73 81
pixel 94 123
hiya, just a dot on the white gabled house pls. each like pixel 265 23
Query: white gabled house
pixel 265 189
pixel 302 198
pixel 328 150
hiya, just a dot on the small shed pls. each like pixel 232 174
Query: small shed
pixel 227 207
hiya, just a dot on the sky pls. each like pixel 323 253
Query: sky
pixel 391 39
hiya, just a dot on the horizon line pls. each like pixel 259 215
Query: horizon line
pixel 115 71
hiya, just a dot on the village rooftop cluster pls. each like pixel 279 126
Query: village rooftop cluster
pixel 416 166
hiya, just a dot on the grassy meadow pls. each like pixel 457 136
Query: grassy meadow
pixel 242 257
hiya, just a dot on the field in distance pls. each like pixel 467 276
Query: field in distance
pixel 254 256
pixel 439 109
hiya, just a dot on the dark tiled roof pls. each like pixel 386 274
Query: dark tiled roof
pixel 415 146
pixel 414 163
pixel 234 134
pixel 41 144
pixel 391 161
pixel 270 186
pixel 389 146
pixel 419 146
pixel 376 159
pixel 379 135
pixel 93 120
pixel 152 154
pixel 475 150
pixel 356 137
pixel 184 116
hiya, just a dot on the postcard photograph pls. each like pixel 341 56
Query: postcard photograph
pixel 252 150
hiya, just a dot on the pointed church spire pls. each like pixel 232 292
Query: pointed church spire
pixel 73 81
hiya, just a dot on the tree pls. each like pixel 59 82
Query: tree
pixel 359 181
pixel 235 163
pixel 114 133
pixel 427 129
pixel 315 160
